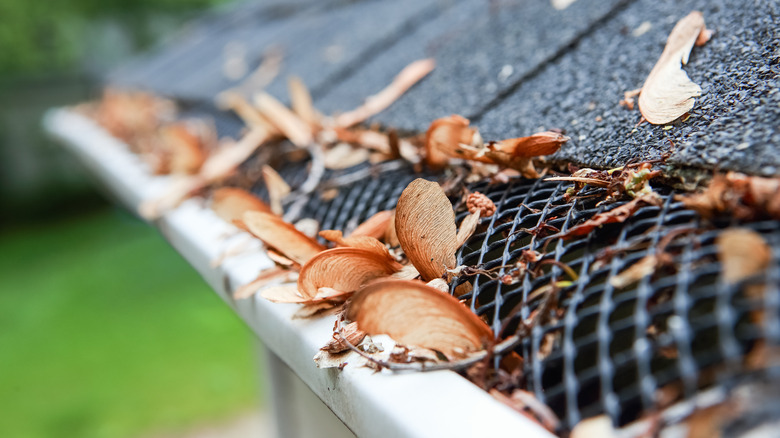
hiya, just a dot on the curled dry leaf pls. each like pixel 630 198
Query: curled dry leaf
pixel 278 189
pixel 415 314
pixel 444 137
pixel 642 268
pixel 230 204
pixel 344 270
pixel 300 100
pixel 344 156
pixel 600 426
pixel 284 237
pixel 425 225
pixel 183 149
pixel 391 237
pixel 244 110
pixel 467 227
pixel 452 137
pixel 376 226
pixel 364 242
pixel 616 215
pixel 738 195
pixel 286 121
pixel 351 333
pixel 526 403
pixel 742 253
pixel 410 75
pixel 266 277
pixel 668 92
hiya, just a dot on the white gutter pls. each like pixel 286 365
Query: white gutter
pixel 429 404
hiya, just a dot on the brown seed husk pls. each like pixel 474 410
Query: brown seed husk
pixel 230 204
pixel 444 139
pixel 742 253
pixel 364 242
pixel 415 314
pixel 343 269
pixel 282 236
pixel 278 189
pixel 425 225
pixel 375 226
pixel 352 334
pixel 668 92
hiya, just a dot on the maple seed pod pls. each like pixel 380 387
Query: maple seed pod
pixel 425 225
pixel 478 201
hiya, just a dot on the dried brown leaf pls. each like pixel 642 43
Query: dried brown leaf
pixel 284 237
pixel 525 402
pixel 410 75
pixel 183 149
pixel 738 195
pixel 444 139
pixel 616 215
pixel 286 121
pixel 344 155
pixel 642 268
pixel 278 189
pixel 668 92
pixel 376 226
pixel 230 204
pixel 363 242
pixel 542 143
pixel 344 270
pixel 742 253
pixel 265 277
pixel 230 100
pixel 467 227
pixel 283 293
pixel 415 314
pixel 301 103
pixel 391 237
pixel 425 225
pixel 351 333
pixel 600 426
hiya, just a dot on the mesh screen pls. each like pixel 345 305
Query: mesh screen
pixel 606 349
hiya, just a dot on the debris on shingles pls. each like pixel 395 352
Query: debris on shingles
pixel 668 93
pixel 743 197
pixel 452 138
pixel 629 181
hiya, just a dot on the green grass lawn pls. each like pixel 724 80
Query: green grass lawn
pixel 106 332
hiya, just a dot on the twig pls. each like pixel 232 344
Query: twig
pixel 505 345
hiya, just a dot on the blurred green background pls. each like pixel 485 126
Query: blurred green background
pixel 104 330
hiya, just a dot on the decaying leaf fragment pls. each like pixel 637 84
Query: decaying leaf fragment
pixel 743 253
pixel 410 75
pixel 738 195
pixel 344 270
pixel 277 233
pixel 453 137
pixel 278 189
pixel 350 332
pixel 364 242
pixel 376 226
pixel 415 314
pixel 230 204
pixel 616 215
pixel 668 92
pixel 425 225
